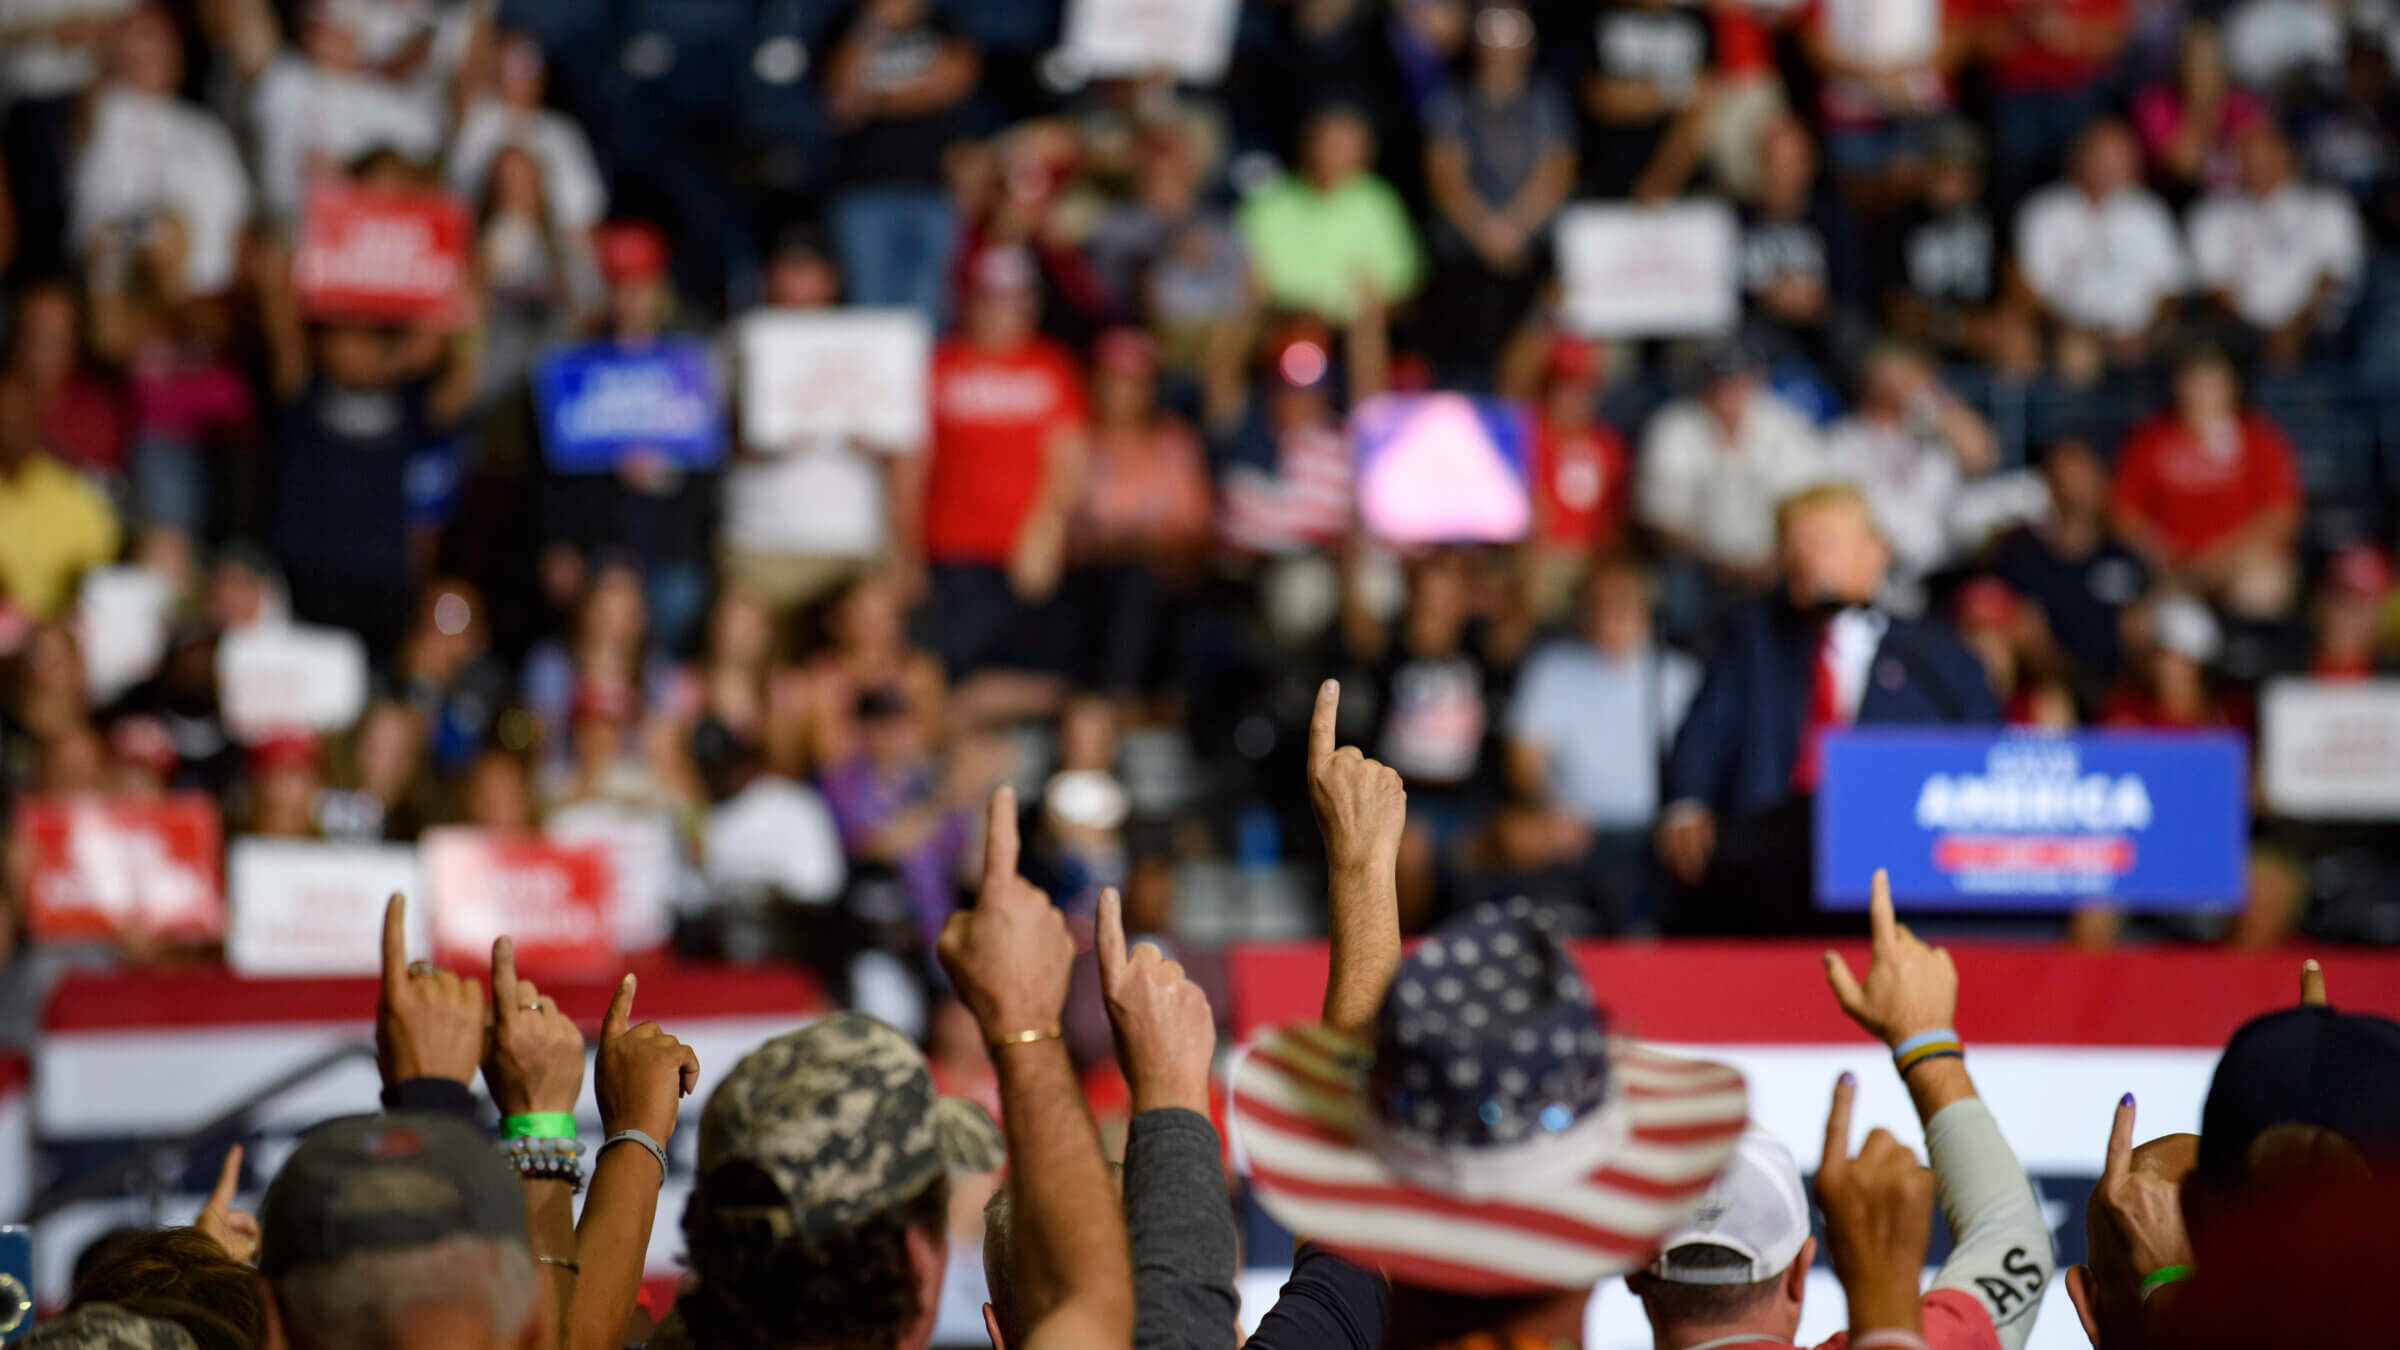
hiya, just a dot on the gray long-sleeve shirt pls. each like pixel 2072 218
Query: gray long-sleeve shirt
pixel 2000 1247
pixel 1180 1225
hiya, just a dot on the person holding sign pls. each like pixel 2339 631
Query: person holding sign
pixel 1809 656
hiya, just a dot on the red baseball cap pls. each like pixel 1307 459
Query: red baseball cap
pixel 1125 351
pixel 1986 602
pixel 143 740
pixel 1302 356
pixel 603 701
pixel 2359 572
pixel 631 250
pixel 285 750
pixel 1003 271
pixel 1573 360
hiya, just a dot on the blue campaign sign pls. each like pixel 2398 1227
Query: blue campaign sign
pixel 600 403
pixel 2001 820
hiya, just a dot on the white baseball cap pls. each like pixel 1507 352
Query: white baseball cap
pixel 1756 1208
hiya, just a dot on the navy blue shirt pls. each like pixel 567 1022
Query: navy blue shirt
pixel 1327 1304
pixel 2082 596
pixel 342 459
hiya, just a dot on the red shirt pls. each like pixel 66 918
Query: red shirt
pixel 1578 485
pixel 2023 62
pixel 2196 496
pixel 993 418
pixel 1953 1320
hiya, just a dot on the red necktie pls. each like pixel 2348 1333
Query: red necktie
pixel 1824 714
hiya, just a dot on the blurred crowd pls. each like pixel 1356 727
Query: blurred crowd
pixel 2088 301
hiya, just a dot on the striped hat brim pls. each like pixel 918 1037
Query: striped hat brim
pixel 1300 1114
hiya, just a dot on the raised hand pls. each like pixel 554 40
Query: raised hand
pixel 1010 957
pixel 1910 987
pixel 1361 806
pixel 1165 1033
pixel 536 1058
pixel 236 1230
pixel 428 1023
pixel 2145 1206
pixel 1878 1216
pixel 643 1072
pixel 2312 984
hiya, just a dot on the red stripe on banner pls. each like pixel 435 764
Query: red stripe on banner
pixel 670 990
pixel 1533 1221
pixel 1773 993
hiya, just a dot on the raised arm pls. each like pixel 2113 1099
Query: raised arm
pixel 1010 958
pixel 1876 1222
pixel 533 1068
pixel 1177 1219
pixel 1361 808
pixel 640 1076
pixel 2000 1249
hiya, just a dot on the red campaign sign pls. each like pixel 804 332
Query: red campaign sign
pixel 2075 855
pixel 557 900
pixel 382 257
pixel 102 867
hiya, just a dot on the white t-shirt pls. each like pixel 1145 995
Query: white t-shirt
pixel 2103 265
pixel 776 833
pixel 2270 252
pixel 2267 41
pixel 823 498
pixel 570 178
pixel 300 111
pixel 1723 496
pixel 1911 483
pixel 150 154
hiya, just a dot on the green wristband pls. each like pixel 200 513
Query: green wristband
pixel 2162 1277
pixel 538 1125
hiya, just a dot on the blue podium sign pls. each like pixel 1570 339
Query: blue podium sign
pixel 1999 820
pixel 600 403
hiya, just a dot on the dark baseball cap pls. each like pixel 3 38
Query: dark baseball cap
pixel 2307 1066
pixel 386 1183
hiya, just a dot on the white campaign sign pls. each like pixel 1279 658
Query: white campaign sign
pixel 843 372
pixel 2331 751
pixel 301 907
pixel 1649 271
pixel 294 678
pixel 1192 39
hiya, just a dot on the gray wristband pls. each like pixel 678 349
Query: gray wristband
pixel 637 1137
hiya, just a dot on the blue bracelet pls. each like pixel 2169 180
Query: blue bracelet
pixel 1922 1039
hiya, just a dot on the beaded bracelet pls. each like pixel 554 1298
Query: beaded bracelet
pixel 546 1159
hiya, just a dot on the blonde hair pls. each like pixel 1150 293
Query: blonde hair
pixel 1820 497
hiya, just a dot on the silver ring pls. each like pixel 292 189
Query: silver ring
pixel 420 967
pixel 534 1006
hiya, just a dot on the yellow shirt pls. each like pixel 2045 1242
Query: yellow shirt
pixel 53 525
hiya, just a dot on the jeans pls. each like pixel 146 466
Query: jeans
pixel 170 485
pixel 896 241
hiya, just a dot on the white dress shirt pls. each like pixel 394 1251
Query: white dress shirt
pixel 1720 494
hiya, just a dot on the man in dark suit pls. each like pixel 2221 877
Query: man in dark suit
pixel 1807 657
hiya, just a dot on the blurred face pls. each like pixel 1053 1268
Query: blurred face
pixel 2078 483
pixel 352 355
pixel 1338 148
pixel 2106 162
pixel 519 77
pixel 2349 626
pixel 1438 595
pixel 1001 319
pixel 147 56
pixel 516 182
pixel 638 305
pixel 802 279
pixel 237 596
pixel 1568 403
pixel 1894 379
pixel 1833 552
pixel 46 336
pixel 1786 161
pixel 741 631
pixel 1729 397
pixel 613 614
pixel 1121 397
pixel 870 619
pixel 450 615
pixel 329 43
pixel 2202 59
pixel 387 748
pixel 2266 160
pixel 53 663
pixel 496 795
pixel 1620 613
pixel 2205 393
pixel 1952 181
pixel 1167 180
pixel 1087 735
pixel 76 762
pixel 1503 45
pixel 286 801
pixel 2178 683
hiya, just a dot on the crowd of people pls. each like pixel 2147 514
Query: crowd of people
pixel 1463 1148
pixel 2010 274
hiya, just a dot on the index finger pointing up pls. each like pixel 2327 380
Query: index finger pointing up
pixel 504 975
pixel 1321 722
pixel 1108 938
pixel 2120 1142
pixel 1879 910
pixel 1000 837
pixel 620 1010
pixel 1837 1122
pixel 395 942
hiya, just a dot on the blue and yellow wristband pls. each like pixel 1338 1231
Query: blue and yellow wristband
pixel 1927 1045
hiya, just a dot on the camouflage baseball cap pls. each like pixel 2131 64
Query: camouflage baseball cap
pixel 842 1116
pixel 105 1326
pixel 377 1183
